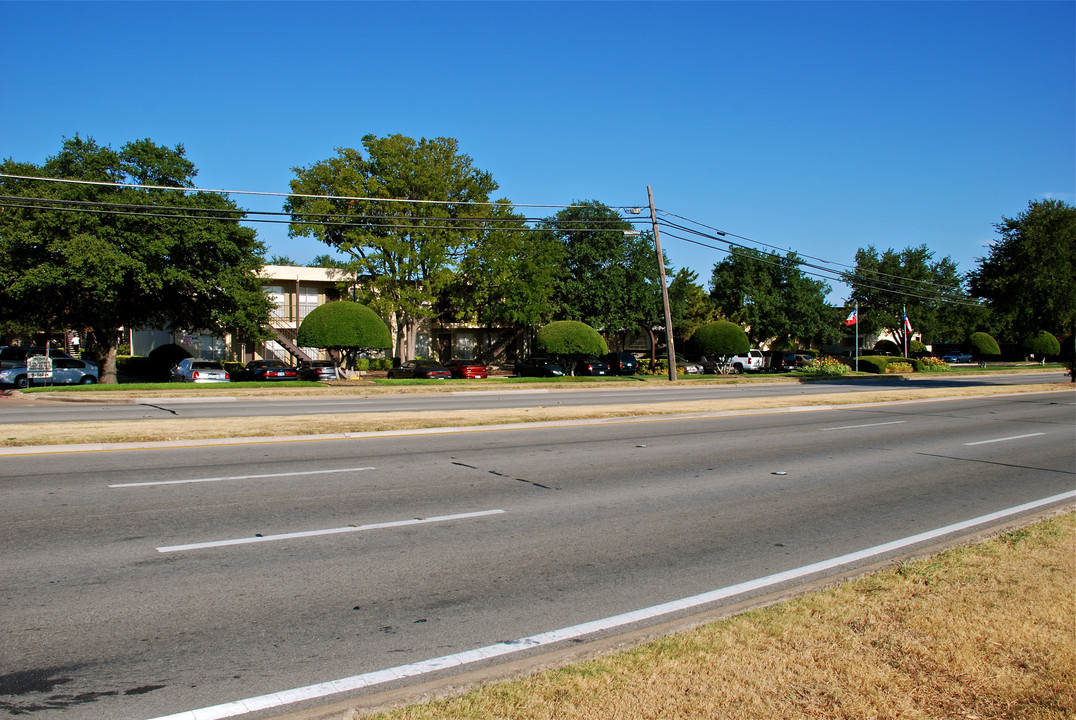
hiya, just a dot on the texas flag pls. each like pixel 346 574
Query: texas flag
pixel 853 317
pixel 907 322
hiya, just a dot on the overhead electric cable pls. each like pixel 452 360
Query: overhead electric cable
pixel 138 186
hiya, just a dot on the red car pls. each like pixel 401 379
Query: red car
pixel 469 369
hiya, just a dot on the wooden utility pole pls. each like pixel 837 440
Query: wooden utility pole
pixel 664 288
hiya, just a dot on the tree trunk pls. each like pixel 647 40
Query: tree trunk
pixel 102 344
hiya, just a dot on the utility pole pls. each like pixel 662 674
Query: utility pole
pixel 664 287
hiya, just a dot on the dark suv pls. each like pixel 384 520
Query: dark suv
pixel 622 363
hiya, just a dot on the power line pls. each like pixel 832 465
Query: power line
pixel 138 186
pixel 347 221
pixel 897 284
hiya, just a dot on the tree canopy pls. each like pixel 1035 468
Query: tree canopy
pixel 99 257
pixel 396 210
pixel 610 277
pixel 773 298
pixel 507 278
pixel 1029 276
pixel 932 292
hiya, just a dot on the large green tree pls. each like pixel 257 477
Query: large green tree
pixel 773 298
pixel 99 257
pixel 932 291
pixel 690 305
pixel 507 279
pixel 1029 276
pixel 610 276
pixel 406 211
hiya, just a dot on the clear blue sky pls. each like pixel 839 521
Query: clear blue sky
pixel 820 127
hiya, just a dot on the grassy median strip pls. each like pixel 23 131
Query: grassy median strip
pixel 155 428
pixel 981 631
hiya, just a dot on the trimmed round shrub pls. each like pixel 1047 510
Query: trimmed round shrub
pixel 566 338
pixel 983 345
pixel 344 324
pixel 1044 345
pixel 720 339
pixel 873 363
pixel 887 346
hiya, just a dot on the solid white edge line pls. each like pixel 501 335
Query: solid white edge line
pixel 365 680
pixel 328 531
pixel 239 477
pixel 1014 437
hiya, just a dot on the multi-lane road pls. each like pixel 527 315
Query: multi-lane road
pixel 489 397
pixel 204 582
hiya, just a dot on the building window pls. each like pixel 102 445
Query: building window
pixel 279 300
pixel 308 300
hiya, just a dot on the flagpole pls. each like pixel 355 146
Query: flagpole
pixel 857 336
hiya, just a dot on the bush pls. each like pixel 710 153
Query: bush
pixel 825 366
pixel 887 347
pixel 162 359
pixel 344 324
pixel 899 366
pixel 136 367
pixel 930 364
pixel 1043 345
pixel 873 363
pixel 983 345
pixel 568 338
pixel 721 339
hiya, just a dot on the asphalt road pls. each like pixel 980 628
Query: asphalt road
pixel 490 397
pixel 143 583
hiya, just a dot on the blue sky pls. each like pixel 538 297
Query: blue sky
pixel 820 127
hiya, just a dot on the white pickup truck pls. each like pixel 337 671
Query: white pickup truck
pixel 752 361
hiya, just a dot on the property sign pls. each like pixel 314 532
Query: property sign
pixel 39 367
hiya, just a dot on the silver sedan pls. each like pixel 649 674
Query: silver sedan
pixel 199 371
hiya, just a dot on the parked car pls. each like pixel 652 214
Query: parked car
pixel 317 370
pixel 467 369
pixel 271 370
pixel 804 359
pixel 751 361
pixel 538 367
pixel 622 363
pixel 687 367
pixel 709 367
pixel 424 369
pixel 65 371
pixel 12 355
pixel 591 366
pixel 957 357
pixel 780 361
pixel 194 370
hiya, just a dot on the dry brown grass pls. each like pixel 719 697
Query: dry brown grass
pixel 984 631
pixel 208 428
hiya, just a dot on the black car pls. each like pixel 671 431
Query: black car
pixel 267 370
pixel 425 369
pixel 622 363
pixel 538 367
pixel 591 366
pixel 781 360
pixel 317 370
